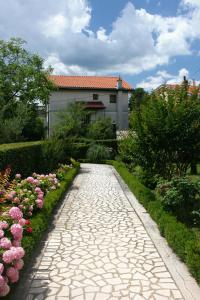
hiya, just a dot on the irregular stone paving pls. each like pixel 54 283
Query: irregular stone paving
pixel 99 248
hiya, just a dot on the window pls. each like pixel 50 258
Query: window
pixel 113 98
pixel 95 96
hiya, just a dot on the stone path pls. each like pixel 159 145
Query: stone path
pixel 99 248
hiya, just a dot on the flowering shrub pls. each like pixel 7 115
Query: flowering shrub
pixel 19 200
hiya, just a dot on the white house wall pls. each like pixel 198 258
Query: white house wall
pixel 60 99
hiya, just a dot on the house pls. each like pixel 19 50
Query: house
pixel 192 88
pixel 104 96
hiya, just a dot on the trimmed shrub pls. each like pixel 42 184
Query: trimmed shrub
pixel 24 158
pixel 181 239
pixel 98 153
pixel 40 157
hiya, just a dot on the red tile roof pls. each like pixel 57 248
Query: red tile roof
pixel 191 88
pixel 88 82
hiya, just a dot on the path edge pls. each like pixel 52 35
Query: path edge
pixel 184 280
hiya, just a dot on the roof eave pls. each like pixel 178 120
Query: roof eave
pixel 93 88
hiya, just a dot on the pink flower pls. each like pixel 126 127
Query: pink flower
pixel 4 290
pixel 19 264
pixel 13 274
pixel 2 281
pixel 16 243
pixel 5 243
pixel 21 206
pixel 35 181
pixel 22 222
pixel 16 200
pixel 41 195
pixel 16 230
pixel 17 252
pixel 26 200
pixel 18 176
pixel 1 268
pixel 30 179
pixel 15 213
pixel 31 208
pixel 29 214
pixel 8 256
pixel 3 225
pixel 39 203
pixel 38 190
pixel 1 233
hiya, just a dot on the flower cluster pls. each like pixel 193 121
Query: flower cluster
pixel 19 199
pixel 28 194
pixel 12 226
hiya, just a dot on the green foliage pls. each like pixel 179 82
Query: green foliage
pixel 40 221
pixel 138 98
pixel 193 258
pixel 29 157
pixel 101 129
pixel 72 121
pixel 180 238
pixel 128 150
pixel 181 196
pixel 23 81
pixel 24 158
pixel 52 154
pixel 98 153
pixel 167 129
pixel 34 129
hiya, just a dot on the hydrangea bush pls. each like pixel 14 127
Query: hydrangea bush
pixel 19 200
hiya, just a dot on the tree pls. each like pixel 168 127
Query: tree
pixel 101 129
pixel 72 122
pixel 168 132
pixel 23 82
pixel 138 97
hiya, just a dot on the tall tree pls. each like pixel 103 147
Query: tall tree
pixel 168 132
pixel 138 97
pixel 23 82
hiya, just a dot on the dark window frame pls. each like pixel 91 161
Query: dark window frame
pixel 96 97
pixel 113 98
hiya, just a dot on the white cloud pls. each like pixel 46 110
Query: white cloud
pixel 163 77
pixel 138 41
pixel 60 68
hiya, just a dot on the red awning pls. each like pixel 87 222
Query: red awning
pixel 94 105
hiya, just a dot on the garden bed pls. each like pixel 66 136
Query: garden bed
pixel 183 240
pixel 25 211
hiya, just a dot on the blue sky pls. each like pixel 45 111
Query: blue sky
pixel 147 42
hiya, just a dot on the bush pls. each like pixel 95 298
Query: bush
pixel 26 158
pixel 181 196
pixel 101 129
pixel 180 238
pixel 98 153
pixel 128 151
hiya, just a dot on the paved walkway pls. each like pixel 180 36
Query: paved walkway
pixel 100 249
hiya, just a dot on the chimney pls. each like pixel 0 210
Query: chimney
pixel 193 82
pixel 119 83
pixel 185 81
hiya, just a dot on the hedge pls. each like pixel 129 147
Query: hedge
pixel 81 145
pixel 40 221
pixel 180 238
pixel 23 158
pixel 28 157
